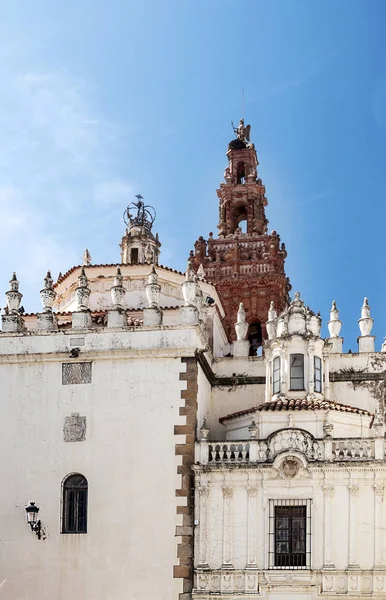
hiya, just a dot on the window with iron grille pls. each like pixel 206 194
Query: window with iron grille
pixel 317 374
pixel 290 534
pixel 276 375
pixel 75 491
pixel 297 372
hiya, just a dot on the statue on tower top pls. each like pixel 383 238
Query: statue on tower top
pixel 242 132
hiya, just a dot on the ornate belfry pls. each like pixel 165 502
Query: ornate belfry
pixel 139 245
pixel 245 263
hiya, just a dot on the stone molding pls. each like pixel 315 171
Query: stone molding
pixel 185 549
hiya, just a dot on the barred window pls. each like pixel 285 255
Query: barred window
pixel 276 375
pixel 317 374
pixel 290 534
pixel 75 492
pixel 297 372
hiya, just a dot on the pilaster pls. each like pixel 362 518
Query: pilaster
pixel 227 556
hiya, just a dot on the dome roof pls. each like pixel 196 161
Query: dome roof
pixel 296 319
pixel 237 145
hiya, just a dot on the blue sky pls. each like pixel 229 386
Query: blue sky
pixel 102 100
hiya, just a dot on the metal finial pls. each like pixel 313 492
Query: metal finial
pixel 139 214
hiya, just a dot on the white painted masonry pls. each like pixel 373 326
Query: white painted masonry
pixel 145 408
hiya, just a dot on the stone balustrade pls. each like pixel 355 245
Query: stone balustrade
pixel 261 451
pixel 353 449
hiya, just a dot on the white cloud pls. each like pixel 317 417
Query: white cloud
pixel 55 165
pixel 113 192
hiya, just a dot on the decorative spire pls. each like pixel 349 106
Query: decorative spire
pixel 189 287
pixel 139 214
pixel 201 273
pixel 48 294
pixel 272 314
pixel 365 322
pixel 153 289
pixel 118 292
pixel 334 325
pixel 87 258
pixel 139 245
pixel 83 291
pixel 13 296
pixel 204 430
pixel 271 323
pixel 241 326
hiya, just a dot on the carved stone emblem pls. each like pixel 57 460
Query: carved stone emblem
pixel 74 429
pixel 290 467
pixel 75 373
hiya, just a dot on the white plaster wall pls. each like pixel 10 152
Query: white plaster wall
pixel 227 400
pixel 128 458
pixel 310 485
pixel 345 425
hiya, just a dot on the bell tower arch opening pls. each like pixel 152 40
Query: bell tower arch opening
pixel 255 337
pixel 240 173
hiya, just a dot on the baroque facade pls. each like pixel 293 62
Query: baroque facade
pixel 189 436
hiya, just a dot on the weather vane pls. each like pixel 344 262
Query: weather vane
pixel 139 214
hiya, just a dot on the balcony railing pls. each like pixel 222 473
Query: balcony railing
pixel 262 451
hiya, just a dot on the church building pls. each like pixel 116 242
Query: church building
pixel 190 436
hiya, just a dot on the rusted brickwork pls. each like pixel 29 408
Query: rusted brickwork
pixel 245 265
pixel 184 568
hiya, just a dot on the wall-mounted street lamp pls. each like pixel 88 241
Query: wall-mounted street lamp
pixel 33 521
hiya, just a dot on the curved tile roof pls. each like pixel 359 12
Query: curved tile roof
pixel 286 404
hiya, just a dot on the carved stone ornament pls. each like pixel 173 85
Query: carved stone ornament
pixel 290 467
pixel 48 294
pixel 13 296
pixel 241 326
pixel 74 429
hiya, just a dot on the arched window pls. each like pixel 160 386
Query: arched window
pixel 75 491
pixel 241 173
pixel 297 372
pixel 276 375
pixel 255 338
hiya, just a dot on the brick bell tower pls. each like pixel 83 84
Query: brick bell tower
pixel 245 263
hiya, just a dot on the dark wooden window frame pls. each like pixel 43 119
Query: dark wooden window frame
pixel 289 534
pixel 318 374
pixel 276 375
pixel 74 504
pixel 296 373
